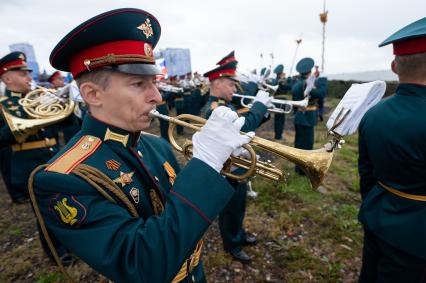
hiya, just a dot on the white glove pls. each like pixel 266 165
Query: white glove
pixel 264 98
pixel 219 137
pixel 310 83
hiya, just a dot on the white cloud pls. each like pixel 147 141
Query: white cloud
pixel 212 29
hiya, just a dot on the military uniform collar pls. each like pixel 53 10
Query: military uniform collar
pixel 220 100
pixel 108 133
pixel 10 93
pixel 411 89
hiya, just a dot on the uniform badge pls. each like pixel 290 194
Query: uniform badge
pixel 14 108
pixel 124 179
pixel 112 164
pixel 67 210
pixel 10 103
pixel 157 205
pixel 148 50
pixel 170 172
pixel 21 56
pixel 146 28
pixel 134 192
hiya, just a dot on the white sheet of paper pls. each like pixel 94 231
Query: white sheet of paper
pixel 358 99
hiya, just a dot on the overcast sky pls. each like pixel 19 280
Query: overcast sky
pixel 211 29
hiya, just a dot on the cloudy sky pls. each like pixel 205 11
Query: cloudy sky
pixel 211 29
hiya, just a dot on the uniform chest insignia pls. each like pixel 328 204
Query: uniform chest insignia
pixel 134 192
pixel 14 108
pixel 170 172
pixel 124 179
pixel 68 210
pixel 157 205
pixel 10 103
pixel 18 113
pixel 146 28
pixel 112 164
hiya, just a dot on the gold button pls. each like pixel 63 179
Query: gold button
pixel 140 153
pixel 91 139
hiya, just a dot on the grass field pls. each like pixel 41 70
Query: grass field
pixel 304 235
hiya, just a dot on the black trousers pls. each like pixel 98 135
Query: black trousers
pixel 382 263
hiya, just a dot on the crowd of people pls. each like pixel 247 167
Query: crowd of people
pixel 107 192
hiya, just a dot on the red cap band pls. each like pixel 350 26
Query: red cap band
pixel 12 65
pixel 411 46
pixel 112 53
pixel 222 73
pixel 55 75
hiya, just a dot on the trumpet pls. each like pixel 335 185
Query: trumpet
pixel 314 163
pixel 169 88
pixel 286 106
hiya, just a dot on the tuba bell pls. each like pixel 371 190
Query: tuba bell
pixel 44 107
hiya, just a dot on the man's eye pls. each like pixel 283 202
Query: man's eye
pixel 138 84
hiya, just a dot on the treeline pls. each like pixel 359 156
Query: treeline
pixel 338 88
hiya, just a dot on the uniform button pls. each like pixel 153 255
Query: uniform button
pixel 42 129
pixel 140 153
pixel 156 178
pixel 50 149
pixel 193 278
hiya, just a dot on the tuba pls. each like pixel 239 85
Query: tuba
pixel 44 106
pixel 314 163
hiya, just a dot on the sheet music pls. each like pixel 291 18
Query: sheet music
pixel 358 99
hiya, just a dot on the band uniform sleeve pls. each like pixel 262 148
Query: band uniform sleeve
pixel 254 117
pixel 126 248
pixel 365 166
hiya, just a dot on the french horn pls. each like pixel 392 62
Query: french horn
pixel 44 107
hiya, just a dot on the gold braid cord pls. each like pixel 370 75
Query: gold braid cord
pixel 99 181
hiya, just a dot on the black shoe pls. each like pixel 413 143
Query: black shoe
pixel 241 256
pixel 20 200
pixel 250 240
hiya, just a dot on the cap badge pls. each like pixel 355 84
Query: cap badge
pixel 21 56
pixel 148 50
pixel 146 28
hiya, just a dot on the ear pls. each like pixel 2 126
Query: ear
pixel 394 66
pixel 91 93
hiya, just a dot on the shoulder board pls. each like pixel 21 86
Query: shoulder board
pixel 149 134
pixel 243 110
pixel 3 98
pixel 85 147
pixel 214 105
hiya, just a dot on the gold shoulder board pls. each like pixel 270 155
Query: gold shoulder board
pixel 85 147
pixel 3 98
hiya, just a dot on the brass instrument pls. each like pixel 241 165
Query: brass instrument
pixel 286 105
pixel 314 163
pixel 45 106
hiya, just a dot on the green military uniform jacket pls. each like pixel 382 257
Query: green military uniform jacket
pixel 253 116
pixel 99 229
pixel 392 150
pixel 308 117
pixel 22 162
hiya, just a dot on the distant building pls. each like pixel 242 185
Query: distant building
pixel 175 61
pixel 31 58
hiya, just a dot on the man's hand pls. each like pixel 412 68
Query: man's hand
pixel 219 137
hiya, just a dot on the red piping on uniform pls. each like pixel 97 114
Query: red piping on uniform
pixel 192 205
